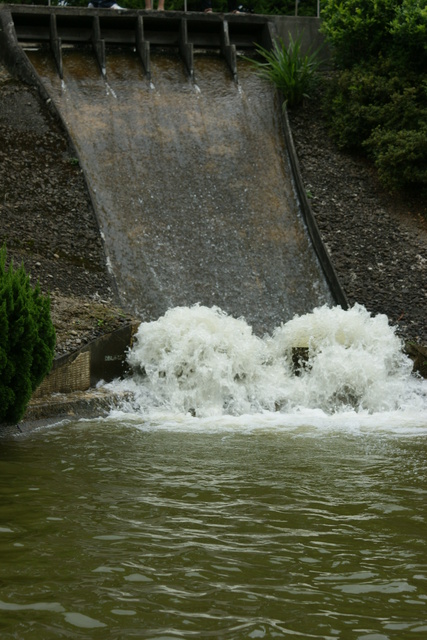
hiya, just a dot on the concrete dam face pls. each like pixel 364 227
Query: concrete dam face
pixel 191 183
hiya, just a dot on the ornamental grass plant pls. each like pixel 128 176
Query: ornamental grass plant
pixel 289 69
pixel 376 102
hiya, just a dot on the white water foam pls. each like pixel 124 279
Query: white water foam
pixel 200 363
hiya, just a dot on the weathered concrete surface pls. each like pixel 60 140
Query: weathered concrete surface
pixel 103 359
pixel 60 407
pixel 75 405
pixel 305 28
pixel 418 354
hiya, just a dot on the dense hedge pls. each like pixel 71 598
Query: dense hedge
pixel 378 101
pixel 27 340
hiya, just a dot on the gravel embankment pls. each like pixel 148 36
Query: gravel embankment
pixel 377 240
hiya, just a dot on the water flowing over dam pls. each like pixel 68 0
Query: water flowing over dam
pixel 191 171
pixel 235 491
pixel 191 183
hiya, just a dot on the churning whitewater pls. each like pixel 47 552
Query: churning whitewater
pixel 202 362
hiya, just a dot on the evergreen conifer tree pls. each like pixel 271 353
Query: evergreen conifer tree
pixel 27 340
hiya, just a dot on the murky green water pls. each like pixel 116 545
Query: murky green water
pixel 116 530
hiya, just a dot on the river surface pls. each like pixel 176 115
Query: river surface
pixel 196 511
pixel 127 529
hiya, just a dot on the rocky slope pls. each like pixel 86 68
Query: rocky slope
pixel 47 219
pixel 378 242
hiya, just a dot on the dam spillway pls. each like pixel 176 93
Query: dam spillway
pixel 190 178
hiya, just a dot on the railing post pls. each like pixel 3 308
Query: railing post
pixel 55 44
pixel 186 48
pixel 98 45
pixel 228 50
pixel 142 46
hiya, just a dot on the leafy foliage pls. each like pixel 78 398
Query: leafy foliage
pixel 357 29
pixel 409 32
pixel 288 69
pixel 378 101
pixel 27 340
pixel 364 30
pixel 400 156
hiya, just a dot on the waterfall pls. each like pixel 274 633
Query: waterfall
pixel 203 362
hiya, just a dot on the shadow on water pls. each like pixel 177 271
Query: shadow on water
pixel 191 185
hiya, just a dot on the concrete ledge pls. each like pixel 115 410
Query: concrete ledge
pixel 418 355
pixel 78 404
pixel 62 408
pixel 103 359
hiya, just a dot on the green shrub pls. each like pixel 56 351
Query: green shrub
pixel 400 156
pixel 377 102
pixel 292 73
pixel 358 29
pixel 409 34
pixel 27 340
pixel 374 109
pixel 360 99
pixel 363 30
